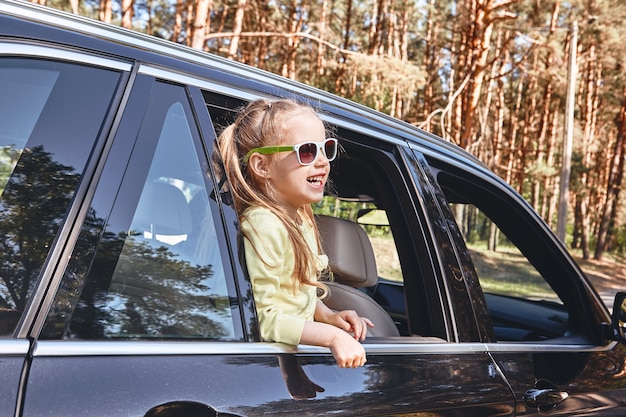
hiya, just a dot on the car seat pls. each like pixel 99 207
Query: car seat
pixel 353 266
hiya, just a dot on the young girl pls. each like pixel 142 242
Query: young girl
pixel 276 157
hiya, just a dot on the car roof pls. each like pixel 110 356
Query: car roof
pixel 163 51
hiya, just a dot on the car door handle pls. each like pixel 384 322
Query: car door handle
pixel 544 399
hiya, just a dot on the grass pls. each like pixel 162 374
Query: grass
pixel 507 272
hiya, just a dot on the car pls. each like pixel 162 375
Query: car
pixel 121 287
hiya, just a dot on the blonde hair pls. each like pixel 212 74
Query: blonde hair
pixel 261 123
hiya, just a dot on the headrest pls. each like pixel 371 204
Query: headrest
pixel 163 209
pixel 349 251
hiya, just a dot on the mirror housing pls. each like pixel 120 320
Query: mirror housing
pixel 618 317
pixel 372 217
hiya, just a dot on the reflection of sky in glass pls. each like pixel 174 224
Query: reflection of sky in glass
pixel 24 94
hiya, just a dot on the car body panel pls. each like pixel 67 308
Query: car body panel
pixel 248 380
pixel 12 356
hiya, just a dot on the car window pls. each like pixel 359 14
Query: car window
pixel 50 116
pixel 521 303
pixel 366 187
pixel 527 289
pixel 162 276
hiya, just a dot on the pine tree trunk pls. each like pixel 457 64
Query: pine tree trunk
pixel 200 23
pixel 614 185
pixel 127 14
pixel 105 10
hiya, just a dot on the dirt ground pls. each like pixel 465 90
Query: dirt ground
pixel 608 276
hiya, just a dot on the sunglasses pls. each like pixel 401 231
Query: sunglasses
pixel 306 152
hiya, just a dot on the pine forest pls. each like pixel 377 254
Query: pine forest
pixel 534 88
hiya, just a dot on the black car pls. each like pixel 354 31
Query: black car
pixel 121 287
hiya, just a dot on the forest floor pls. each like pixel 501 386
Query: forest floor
pixel 608 276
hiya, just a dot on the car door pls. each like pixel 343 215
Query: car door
pixel 146 312
pixel 422 372
pixel 150 311
pixel 548 322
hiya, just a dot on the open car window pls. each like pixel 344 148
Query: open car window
pixel 523 307
pixel 367 188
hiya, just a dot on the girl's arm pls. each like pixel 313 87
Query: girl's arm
pixel 331 329
pixel 347 320
pixel 348 352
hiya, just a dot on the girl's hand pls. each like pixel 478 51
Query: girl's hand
pixel 348 353
pixel 347 320
pixel 351 322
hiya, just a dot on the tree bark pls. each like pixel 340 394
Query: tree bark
pixel 105 10
pixel 614 185
pixel 237 29
pixel 201 23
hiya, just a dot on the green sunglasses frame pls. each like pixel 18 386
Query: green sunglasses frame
pixel 267 150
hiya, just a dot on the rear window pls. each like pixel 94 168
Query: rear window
pixel 50 116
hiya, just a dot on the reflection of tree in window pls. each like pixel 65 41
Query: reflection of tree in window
pixel 157 294
pixel 32 208
pixel 154 294
pixel 9 156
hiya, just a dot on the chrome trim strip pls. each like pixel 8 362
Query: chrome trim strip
pixel 13 347
pixel 511 347
pixel 148 348
pixel 19 49
pixel 186 79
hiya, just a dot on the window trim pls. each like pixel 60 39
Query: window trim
pixel 381 347
pixel 45 52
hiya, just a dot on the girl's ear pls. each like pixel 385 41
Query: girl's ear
pixel 258 164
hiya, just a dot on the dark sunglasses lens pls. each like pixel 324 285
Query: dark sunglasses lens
pixel 307 152
pixel 330 149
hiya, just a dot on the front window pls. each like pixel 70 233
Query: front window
pixel 531 291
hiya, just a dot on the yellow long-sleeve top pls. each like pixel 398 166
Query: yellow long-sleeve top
pixel 270 261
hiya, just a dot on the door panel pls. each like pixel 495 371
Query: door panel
pixel 259 383
pixel 593 381
pixel 12 353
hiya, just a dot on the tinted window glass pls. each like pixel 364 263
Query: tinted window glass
pixel 518 272
pixel 50 116
pixel 158 271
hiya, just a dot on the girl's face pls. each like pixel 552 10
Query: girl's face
pixel 296 185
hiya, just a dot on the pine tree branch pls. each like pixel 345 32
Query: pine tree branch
pixel 281 35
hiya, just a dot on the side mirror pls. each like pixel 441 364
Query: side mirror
pixel 372 217
pixel 618 317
